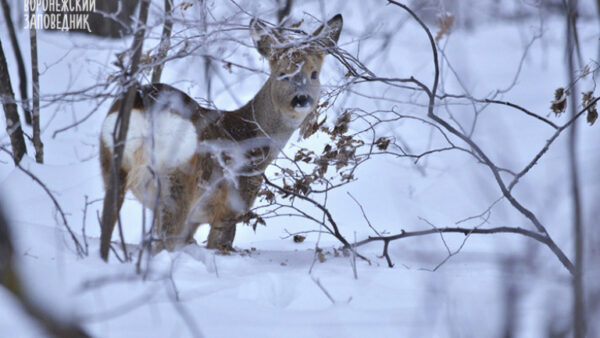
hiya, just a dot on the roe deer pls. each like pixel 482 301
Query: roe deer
pixel 193 165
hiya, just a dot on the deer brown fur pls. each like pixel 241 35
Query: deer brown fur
pixel 218 181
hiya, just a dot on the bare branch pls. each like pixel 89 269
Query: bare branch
pixel 112 196
pixel 78 246
pixel 460 230
pixel 510 104
pixel 35 79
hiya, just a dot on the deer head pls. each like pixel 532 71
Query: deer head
pixel 295 65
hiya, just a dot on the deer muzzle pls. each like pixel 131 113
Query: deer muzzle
pixel 302 103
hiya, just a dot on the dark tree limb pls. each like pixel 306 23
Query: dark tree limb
pixel 512 105
pixel 111 197
pixel 19 57
pixel 13 123
pixel 78 246
pixel 506 103
pixel 460 230
pixel 35 79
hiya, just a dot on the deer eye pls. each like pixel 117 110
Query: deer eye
pixel 313 75
pixel 282 76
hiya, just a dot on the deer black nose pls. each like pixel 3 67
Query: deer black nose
pixel 302 101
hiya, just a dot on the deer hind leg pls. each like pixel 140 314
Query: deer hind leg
pixel 171 218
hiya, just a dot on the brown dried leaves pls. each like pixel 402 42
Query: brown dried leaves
pixel 252 217
pixel 445 21
pixel 311 125
pixel 299 238
pixel 592 112
pixel 382 143
pixel 559 104
pixel 341 124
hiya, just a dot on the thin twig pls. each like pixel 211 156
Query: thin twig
pixel 35 82
pixel 512 105
pixel 318 282
pixel 78 246
pixel 364 214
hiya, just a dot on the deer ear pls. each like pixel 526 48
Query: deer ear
pixel 263 37
pixel 330 32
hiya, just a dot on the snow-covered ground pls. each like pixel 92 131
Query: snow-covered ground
pixel 274 287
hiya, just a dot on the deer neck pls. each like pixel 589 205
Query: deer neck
pixel 271 121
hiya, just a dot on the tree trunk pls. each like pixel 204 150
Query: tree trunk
pixel 19 57
pixel 13 123
pixel 579 316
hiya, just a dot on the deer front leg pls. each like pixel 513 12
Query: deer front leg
pixel 221 236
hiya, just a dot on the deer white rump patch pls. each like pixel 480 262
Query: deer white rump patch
pixel 162 140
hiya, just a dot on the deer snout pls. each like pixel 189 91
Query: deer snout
pixel 302 103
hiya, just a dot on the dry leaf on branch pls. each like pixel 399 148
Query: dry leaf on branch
pixel 297 24
pixel 341 124
pixel 311 125
pixel 382 143
pixel 186 5
pixel 446 21
pixel 592 113
pixel 559 104
pixel 299 238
